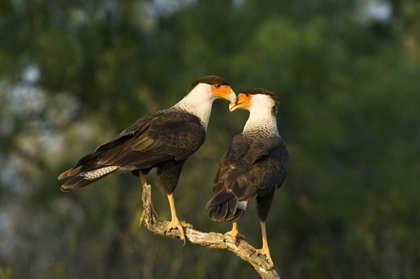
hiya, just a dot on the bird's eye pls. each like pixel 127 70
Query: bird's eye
pixel 217 85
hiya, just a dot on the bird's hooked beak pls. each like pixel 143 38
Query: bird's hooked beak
pixel 232 106
pixel 231 98
pixel 242 101
pixel 225 92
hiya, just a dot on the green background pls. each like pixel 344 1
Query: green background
pixel 75 73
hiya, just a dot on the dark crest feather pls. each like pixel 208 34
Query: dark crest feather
pixel 212 79
pixel 273 96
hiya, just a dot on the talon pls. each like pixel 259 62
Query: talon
pixel 180 227
pixel 175 223
pixel 235 233
pixel 265 253
pixel 186 225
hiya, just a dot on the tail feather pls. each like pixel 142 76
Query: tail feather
pixel 69 172
pixel 85 178
pixel 238 215
pixel 224 207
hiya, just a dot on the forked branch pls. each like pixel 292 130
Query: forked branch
pixel 212 240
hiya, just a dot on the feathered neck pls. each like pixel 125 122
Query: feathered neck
pixel 264 124
pixel 199 102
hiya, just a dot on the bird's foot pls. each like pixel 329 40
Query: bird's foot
pixel 236 235
pixel 265 253
pixel 179 225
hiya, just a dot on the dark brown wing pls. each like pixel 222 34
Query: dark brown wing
pixel 238 147
pixel 168 136
pixel 151 140
pixel 247 169
pixel 90 161
pixel 262 168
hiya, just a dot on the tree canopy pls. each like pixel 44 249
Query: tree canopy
pixel 75 73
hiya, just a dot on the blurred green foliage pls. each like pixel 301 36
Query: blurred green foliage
pixel 75 73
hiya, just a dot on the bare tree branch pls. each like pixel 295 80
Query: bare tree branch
pixel 212 240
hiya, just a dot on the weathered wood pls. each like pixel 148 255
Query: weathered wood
pixel 212 240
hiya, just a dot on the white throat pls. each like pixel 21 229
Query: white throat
pixel 261 116
pixel 198 102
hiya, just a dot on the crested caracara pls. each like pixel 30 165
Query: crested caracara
pixel 162 140
pixel 254 165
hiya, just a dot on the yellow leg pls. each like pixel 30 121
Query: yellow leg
pixel 175 223
pixel 265 251
pixel 234 232
pixel 142 178
pixel 174 217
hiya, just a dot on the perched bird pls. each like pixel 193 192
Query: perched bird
pixel 254 165
pixel 162 140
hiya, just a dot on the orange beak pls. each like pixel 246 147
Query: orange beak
pixel 225 92
pixel 242 101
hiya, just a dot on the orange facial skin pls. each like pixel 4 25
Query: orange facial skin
pixel 223 91
pixel 243 100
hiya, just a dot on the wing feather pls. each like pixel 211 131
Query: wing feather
pixel 248 168
pixel 149 141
